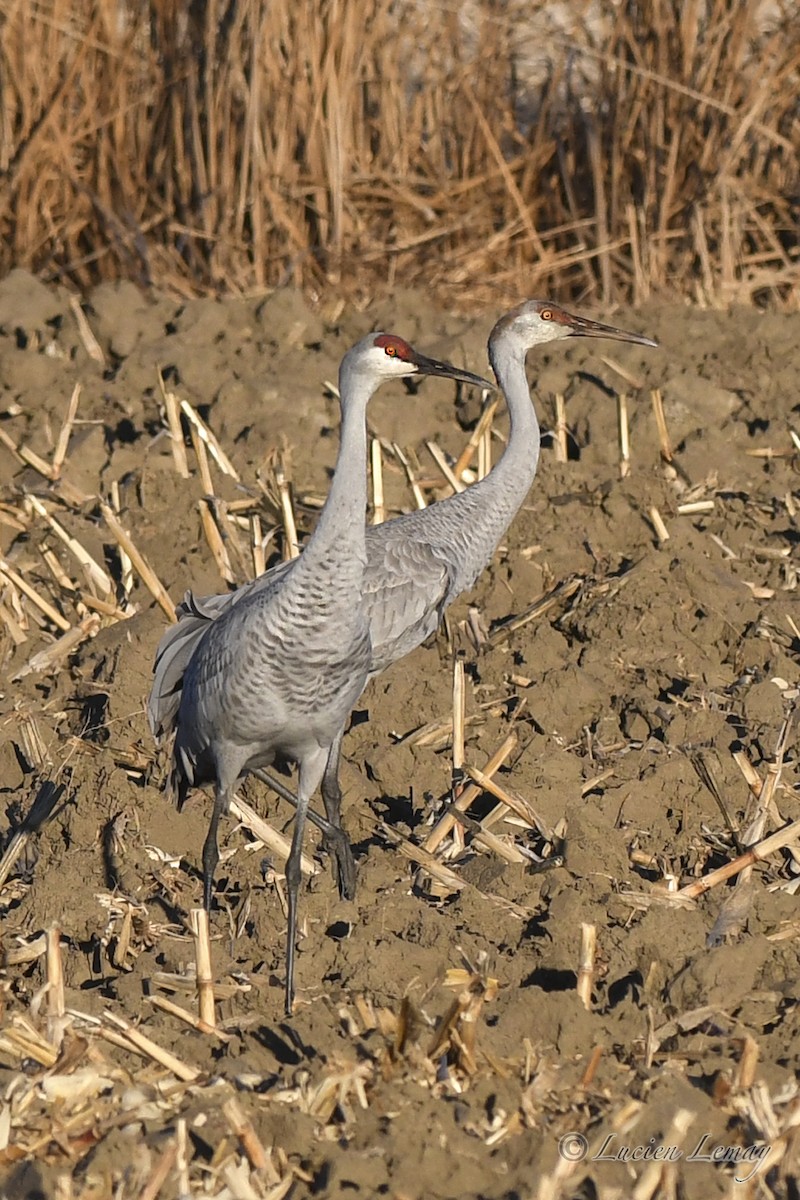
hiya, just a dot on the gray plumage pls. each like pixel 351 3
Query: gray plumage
pixel 417 564
pixel 277 674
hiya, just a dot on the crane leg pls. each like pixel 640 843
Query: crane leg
pixel 210 848
pixel 309 777
pixel 335 839
pixel 281 790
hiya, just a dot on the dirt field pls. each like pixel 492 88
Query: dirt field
pixel 655 664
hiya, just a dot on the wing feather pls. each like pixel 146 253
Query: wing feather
pixel 179 642
pixel 407 585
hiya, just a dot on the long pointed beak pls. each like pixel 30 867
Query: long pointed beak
pixel 432 366
pixel 583 327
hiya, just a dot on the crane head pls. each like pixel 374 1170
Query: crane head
pixel 538 321
pixel 387 356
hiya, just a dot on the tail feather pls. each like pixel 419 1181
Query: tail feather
pixel 189 767
pixel 174 653
pixel 178 644
pixel 182 775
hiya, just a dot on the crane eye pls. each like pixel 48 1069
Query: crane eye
pixel 391 351
pixel 546 314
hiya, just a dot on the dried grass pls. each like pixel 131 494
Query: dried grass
pixel 485 152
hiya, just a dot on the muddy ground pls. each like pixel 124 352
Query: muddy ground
pixel 656 663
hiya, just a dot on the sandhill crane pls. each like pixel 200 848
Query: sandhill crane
pixel 417 564
pixel 278 673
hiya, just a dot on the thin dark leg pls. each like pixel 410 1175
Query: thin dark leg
pixel 293 890
pixel 331 791
pixel 210 849
pixel 309 778
pixel 284 793
pixel 335 840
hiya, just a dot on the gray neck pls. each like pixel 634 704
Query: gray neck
pixel 466 528
pixel 516 470
pixel 496 500
pixel 341 523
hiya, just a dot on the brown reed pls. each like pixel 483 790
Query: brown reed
pixel 628 151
